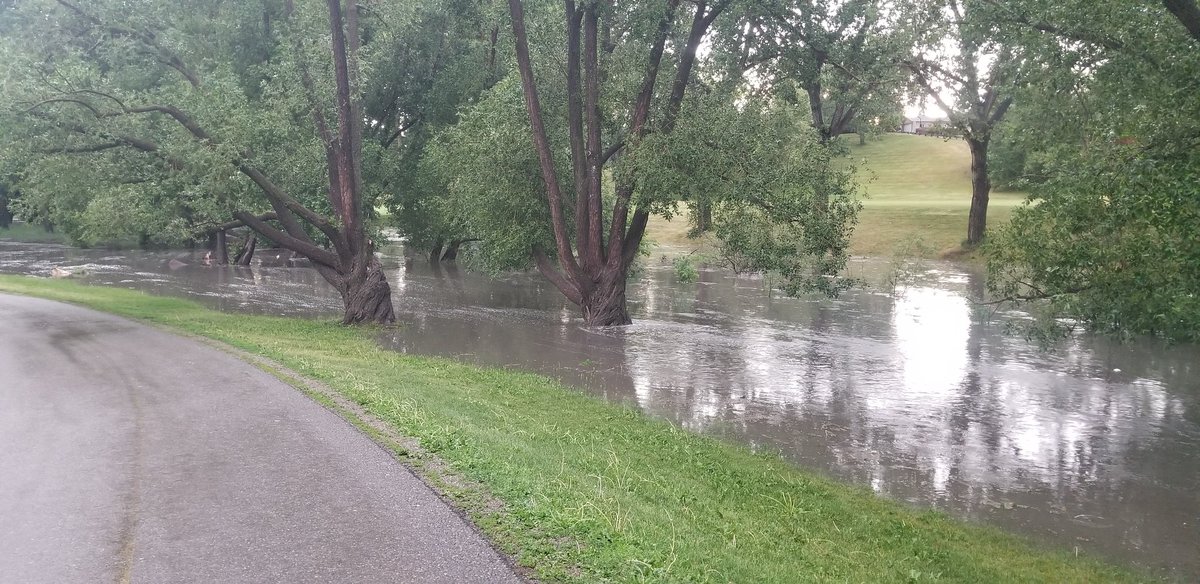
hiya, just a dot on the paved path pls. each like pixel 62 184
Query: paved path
pixel 129 454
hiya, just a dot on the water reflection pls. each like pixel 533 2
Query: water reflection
pixel 919 396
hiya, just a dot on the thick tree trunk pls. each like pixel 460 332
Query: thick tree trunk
pixel 981 188
pixel 366 294
pixel 247 255
pixel 605 304
pixel 435 254
pixel 220 248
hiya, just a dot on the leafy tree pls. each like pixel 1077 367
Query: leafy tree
pixel 842 58
pixel 962 56
pixel 192 117
pixel 1111 238
pixel 437 63
pixel 566 176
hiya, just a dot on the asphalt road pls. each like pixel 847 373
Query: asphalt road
pixel 132 455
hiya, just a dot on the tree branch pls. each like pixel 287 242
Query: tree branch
pixel 238 223
pixel 563 283
pixel 165 56
pixel 1188 14
pixel 541 142
pixel 316 254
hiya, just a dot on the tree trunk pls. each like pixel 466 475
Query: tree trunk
pixel 220 249
pixel 451 252
pixel 435 254
pixel 981 188
pixel 6 216
pixel 605 304
pixel 247 253
pixel 703 217
pixel 365 294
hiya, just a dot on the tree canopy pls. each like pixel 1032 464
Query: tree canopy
pixel 1111 237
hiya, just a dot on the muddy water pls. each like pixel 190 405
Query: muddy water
pixel 920 395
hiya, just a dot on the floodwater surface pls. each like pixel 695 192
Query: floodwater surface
pixel 921 394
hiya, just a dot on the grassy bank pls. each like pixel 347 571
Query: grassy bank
pixel 918 195
pixel 579 490
pixel 27 233
pixel 918 191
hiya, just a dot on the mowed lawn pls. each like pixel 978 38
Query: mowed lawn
pixel 916 198
pixel 918 195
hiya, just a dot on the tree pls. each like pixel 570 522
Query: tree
pixel 1110 238
pixel 962 56
pixel 437 64
pixel 844 57
pixel 170 104
pixel 611 129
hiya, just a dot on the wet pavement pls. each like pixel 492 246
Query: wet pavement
pixel 918 394
pixel 133 455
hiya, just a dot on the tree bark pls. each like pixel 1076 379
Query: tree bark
pixel 605 304
pixel 981 187
pixel 220 248
pixel 451 253
pixel 435 254
pixel 366 294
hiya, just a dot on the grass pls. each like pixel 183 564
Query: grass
pixel 26 233
pixel 918 187
pixel 918 195
pixel 579 490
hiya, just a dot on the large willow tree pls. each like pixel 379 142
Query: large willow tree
pixel 148 114
pixel 613 114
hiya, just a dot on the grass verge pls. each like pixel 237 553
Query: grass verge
pixel 580 490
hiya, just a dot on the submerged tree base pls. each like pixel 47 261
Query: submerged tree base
pixel 367 296
pixel 605 305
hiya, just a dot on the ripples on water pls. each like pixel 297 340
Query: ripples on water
pixel 921 396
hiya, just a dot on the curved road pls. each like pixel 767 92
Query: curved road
pixel 132 455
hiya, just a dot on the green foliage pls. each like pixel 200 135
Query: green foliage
pixel 75 159
pixel 779 203
pixel 685 269
pixel 491 184
pixel 840 58
pixel 1111 236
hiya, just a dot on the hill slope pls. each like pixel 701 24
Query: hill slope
pixel 917 194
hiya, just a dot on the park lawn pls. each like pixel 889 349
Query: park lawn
pixel 916 198
pixel 580 490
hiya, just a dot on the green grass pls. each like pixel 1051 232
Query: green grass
pixel 918 188
pixel 27 233
pixel 918 195
pixel 579 490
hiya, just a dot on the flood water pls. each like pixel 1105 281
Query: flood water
pixel 920 395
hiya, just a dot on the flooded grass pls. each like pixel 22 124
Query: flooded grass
pixel 591 491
